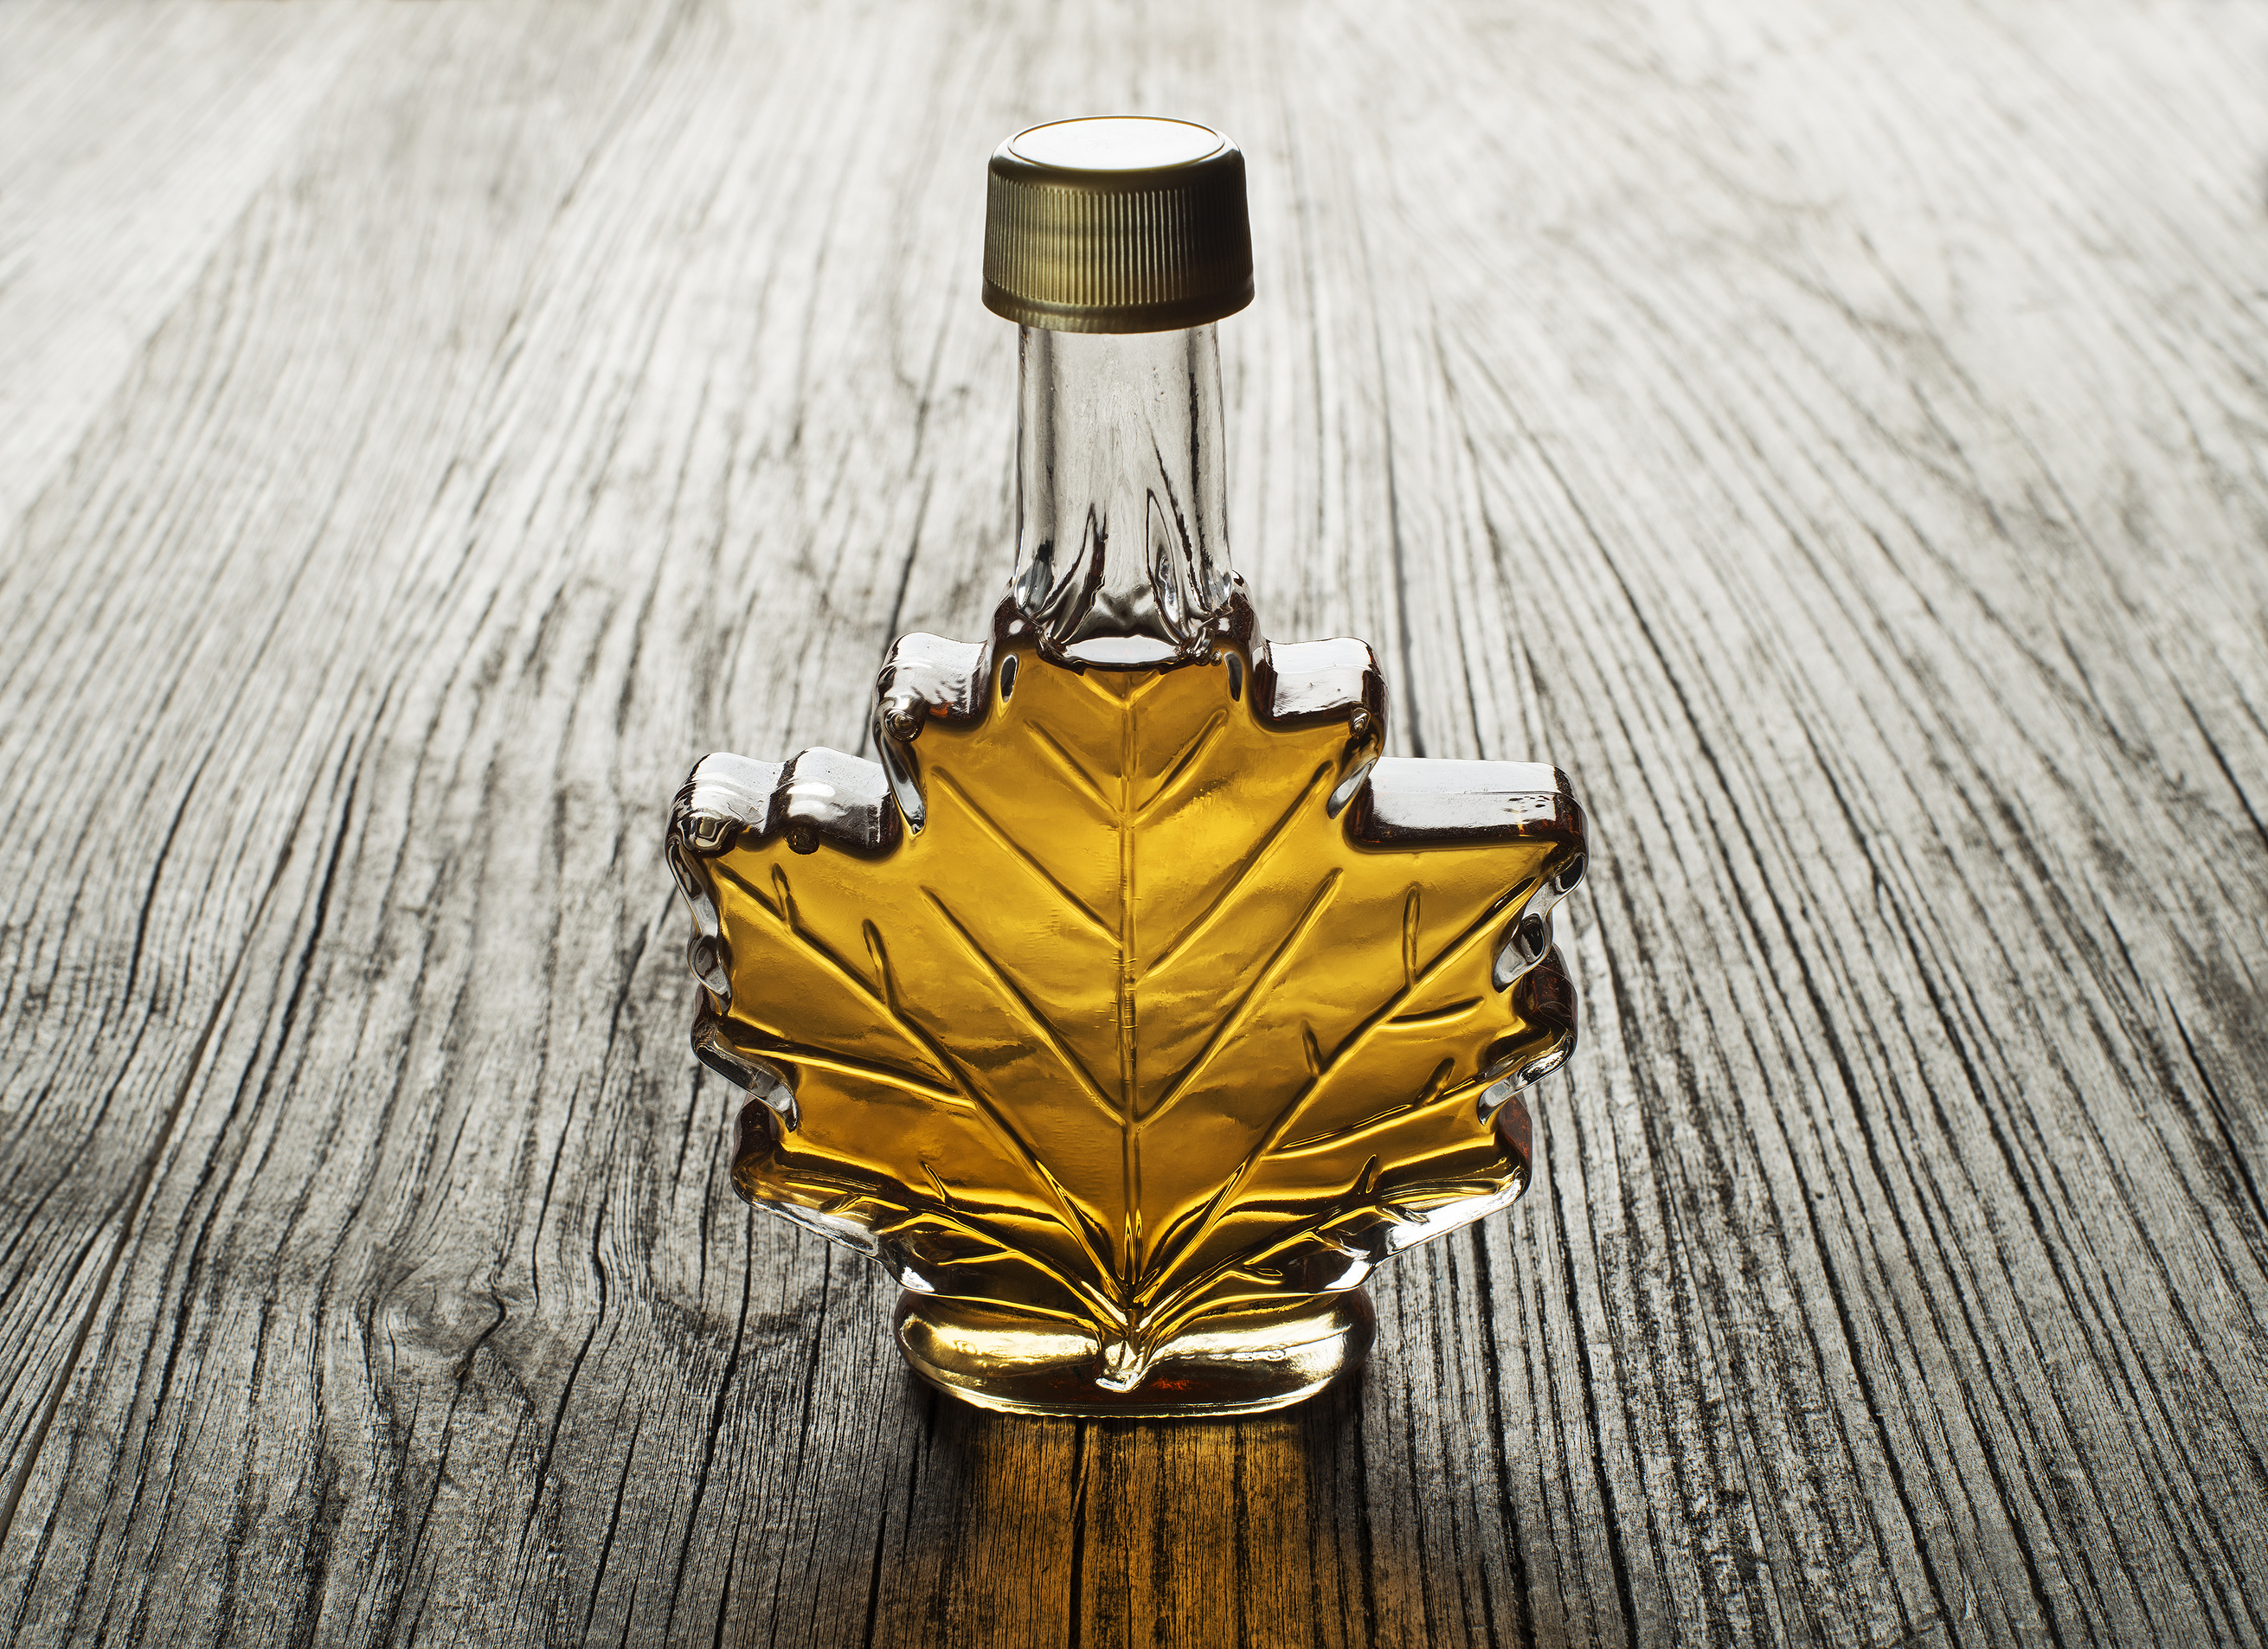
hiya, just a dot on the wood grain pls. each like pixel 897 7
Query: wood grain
pixel 1835 433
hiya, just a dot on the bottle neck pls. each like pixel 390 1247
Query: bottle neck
pixel 1122 527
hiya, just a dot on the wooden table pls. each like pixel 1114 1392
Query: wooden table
pixel 1837 434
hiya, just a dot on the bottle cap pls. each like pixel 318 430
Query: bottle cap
pixel 1117 224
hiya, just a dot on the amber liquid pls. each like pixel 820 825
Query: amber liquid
pixel 1133 1048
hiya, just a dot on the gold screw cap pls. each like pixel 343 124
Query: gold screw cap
pixel 1117 224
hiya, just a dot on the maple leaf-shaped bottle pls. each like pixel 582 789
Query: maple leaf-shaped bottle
pixel 1133 1006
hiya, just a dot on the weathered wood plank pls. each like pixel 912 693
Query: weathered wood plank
pixel 129 141
pixel 1832 435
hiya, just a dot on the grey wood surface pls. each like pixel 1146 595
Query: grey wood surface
pixel 1833 432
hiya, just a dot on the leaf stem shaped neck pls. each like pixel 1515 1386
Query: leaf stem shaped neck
pixel 1122 529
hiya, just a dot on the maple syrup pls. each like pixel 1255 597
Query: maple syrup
pixel 1134 1006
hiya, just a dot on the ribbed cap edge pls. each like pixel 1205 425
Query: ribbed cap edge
pixel 1147 250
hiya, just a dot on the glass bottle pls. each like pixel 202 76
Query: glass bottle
pixel 1134 1006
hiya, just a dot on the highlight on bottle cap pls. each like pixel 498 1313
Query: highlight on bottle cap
pixel 1121 223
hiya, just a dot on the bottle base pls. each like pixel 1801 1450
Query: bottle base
pixel 1240 1362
